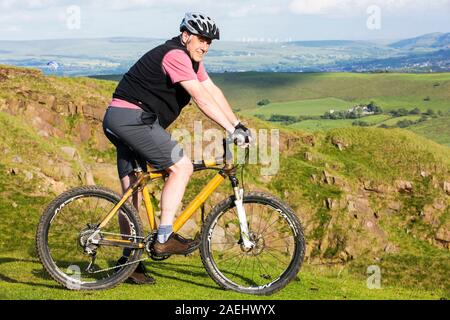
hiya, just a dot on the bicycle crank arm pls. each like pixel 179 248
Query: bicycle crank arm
pixel 245 235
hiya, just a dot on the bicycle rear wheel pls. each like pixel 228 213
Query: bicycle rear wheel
pixel 69 221
pixel 271 264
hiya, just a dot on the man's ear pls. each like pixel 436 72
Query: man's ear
pixel 185 36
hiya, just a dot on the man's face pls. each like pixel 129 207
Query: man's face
pixel 197 46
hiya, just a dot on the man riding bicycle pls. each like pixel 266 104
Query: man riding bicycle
pixel 147 100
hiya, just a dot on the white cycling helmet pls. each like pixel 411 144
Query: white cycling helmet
pixel 200 24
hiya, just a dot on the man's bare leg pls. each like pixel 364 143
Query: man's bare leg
pixel 172 194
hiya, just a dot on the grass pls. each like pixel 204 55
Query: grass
pixel 393 121
pixel 185 279
pixel 374 154
pixel 313 107
pixel 391 90
pixel 437 129
pixel 298 94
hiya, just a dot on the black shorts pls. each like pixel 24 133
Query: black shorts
pixel 139 137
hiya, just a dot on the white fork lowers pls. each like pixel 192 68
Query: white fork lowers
pixel 245 235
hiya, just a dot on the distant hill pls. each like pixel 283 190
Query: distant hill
pixel 435 40
pixel 330 43
pixel 81 57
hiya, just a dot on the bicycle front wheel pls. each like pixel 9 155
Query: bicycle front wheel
pixel 63 234
pixel 276 257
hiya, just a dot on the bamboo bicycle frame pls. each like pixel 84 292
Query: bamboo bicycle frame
pixel 142 183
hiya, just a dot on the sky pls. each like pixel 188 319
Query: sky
pixel 245 20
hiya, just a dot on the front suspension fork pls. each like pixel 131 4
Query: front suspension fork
pixel 243 224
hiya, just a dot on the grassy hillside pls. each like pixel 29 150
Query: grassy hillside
pixel 313 107
pixel 312 94
pixel 391 91
pixel 366 196
pixel 436 129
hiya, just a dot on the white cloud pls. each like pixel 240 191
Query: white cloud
pixel 10 29
pixel 256 8
pixel 350 7
pixel 27 4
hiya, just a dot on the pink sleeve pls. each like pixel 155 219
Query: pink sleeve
pixel 201 73
pixel 178 66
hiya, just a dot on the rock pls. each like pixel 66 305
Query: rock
pixel 43 133
pixel 190 228
pixel 308 156
pixel 439 205
pixel 65 171
pixel 309 140
pixel 390 248
pixel 86 176
pixel 424 174
pixel 52 118
pixel 404 186
pixel 58 187
pixel 443 233
pixel 446 187
pixel 332 204
pixel 96 113
pixel 17 159
pixel 71 152
pixel 328 178
pixel 431 215
pixel 394 205
pixel 342 145
pixel 359 206
pixel 373 187
pixel 84 131
pixel 28 176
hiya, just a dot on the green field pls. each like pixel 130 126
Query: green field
pixel 324 124
pixel 390 90
pixel 393 121
pixel 437 130
pixel 313 107
pixel 312 94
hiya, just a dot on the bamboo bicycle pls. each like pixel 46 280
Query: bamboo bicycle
pixel 250 242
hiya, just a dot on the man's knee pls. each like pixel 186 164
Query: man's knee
pixel 182 167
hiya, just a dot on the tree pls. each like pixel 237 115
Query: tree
pixel 263 102
pixel 372 107
pixel 415 111
pixel 360 123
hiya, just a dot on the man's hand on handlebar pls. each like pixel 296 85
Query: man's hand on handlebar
pixel 241 136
